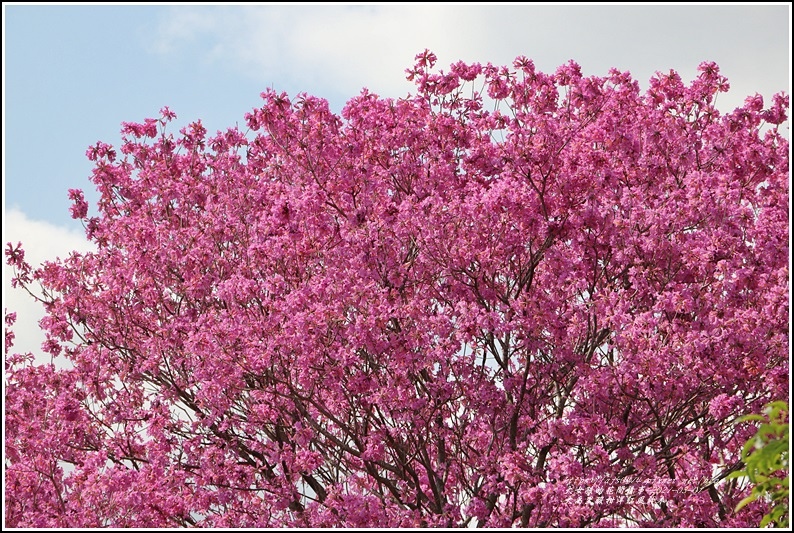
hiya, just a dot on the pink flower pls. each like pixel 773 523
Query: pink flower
pixel 79 208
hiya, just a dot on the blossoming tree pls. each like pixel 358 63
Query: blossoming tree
pixel 513 298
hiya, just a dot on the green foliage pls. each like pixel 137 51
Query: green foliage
pixel 766 459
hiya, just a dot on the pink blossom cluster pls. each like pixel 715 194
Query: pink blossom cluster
pixel 449 309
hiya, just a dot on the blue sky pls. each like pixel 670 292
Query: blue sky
pixel 72 74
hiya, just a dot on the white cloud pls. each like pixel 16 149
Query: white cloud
pixel 336 50
pixel 41 241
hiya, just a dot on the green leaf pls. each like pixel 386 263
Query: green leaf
pixel 766 455
pixel 748 418
pixel 738 473
pixel 751 498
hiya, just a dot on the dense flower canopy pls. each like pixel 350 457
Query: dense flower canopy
pixel 513 298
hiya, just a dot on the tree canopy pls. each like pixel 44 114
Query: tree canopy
pixel 511 298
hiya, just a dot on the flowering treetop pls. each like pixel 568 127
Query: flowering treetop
pixel 513 298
